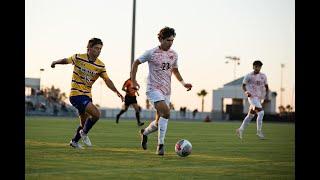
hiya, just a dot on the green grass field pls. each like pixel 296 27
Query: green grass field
pixel 116 153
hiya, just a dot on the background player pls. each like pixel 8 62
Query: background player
pixel 255 86
pixel 130 99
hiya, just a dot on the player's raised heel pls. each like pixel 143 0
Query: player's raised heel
pixel 260 135
pixel 144 139
pixel 160 150
pixel 239 133
pixel 75 145
pixel 85 138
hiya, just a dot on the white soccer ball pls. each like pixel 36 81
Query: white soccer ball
pixel 183 148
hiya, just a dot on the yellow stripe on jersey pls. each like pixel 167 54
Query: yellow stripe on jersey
pixel 71 59
pixel 85 73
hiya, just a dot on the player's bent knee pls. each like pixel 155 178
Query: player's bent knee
pixel 96 116
pixel 166 114
pixel 261 113
pixel 257 110
pixel 251 115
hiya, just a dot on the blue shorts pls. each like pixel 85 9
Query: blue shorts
pixel 80 102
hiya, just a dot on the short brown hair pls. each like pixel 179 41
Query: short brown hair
pixel 166 32
pixel 93 42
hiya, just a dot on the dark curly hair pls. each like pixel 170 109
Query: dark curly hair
pixel 257 63
pixel 93 42
pixel 166 32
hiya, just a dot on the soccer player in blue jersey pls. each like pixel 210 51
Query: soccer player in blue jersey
pixel 87 69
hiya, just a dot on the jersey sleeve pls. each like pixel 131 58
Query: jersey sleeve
pixel 71 59
pixel 128 83
pixel 266 80
pixel 146 56
pixel 175 64
pixel 103 73
pixel 245 79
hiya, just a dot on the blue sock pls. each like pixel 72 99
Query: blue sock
pixel 88 125
pixel 77 136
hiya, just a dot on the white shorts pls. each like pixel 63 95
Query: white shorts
pixel 254 102
pixel 155 96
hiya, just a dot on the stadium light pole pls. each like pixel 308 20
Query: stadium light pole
pixel 41 70
pixel 292 98
pixel 236 61
pixel 133 32
pixel 281 88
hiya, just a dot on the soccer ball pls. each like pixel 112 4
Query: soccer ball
pixel 183 148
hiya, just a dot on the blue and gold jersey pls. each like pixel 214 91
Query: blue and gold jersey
pixel 85 73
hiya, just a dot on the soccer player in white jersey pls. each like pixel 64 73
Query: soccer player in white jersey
pixel 162 63
pixel 255 87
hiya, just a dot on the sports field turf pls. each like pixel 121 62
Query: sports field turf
pixel 116 153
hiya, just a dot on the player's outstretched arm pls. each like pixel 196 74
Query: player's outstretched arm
pixel 178 76
pixel 110 85
pixel 133 73
pixel 60 61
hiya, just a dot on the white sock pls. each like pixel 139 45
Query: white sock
pixel 259 120
pixel 162 129
pixel 151 128
pixel 246 121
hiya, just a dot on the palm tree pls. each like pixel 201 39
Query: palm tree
pixel 202 94
pixel 62 96
pixel 282 110
pixel 289 108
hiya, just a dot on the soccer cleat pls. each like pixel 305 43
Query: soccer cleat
pixel 75 145
pixel 239 133
pixel 260 135
pixel 117 119
pixel 140 123
pixel 144 139
pixel 85 138
pixel 160 149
